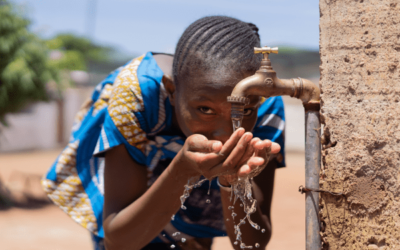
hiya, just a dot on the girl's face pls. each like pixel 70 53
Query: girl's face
pixel 201 106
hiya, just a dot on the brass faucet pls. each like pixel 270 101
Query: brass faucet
pixel 265 83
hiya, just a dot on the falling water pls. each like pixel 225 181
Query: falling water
pixel 241 190
pixel 192 183
pixel 175 234
pixel 236 124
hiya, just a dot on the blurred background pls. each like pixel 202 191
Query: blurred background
pixel 54 52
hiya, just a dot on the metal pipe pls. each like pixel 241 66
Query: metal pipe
pixel 313 166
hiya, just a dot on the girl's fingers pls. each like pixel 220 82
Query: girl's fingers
pixel 249 151
pixel 200 143
pixel 244 170
pixel 235 156
pixel 263 144
pixel 254 162
pixel 230 144
pixel 205 160
pixel 275 147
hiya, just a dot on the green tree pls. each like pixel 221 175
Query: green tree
pixel 24 65
pixel 78 52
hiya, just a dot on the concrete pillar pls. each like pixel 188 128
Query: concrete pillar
pixel 360 83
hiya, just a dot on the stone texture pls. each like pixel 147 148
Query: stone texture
pixel 360 84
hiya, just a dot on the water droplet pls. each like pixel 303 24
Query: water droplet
pixel 175 234
pixel 263 230
pixel 209 187
pixel 183 240
pixel 163 235
pixel 172 246
pixel 235 242
pixel 234 214
pixel 241 205
pixel 173 217
pixel 257 245
pixel 230 207
pixel 208 201
pixel 227 219
pixel 183 207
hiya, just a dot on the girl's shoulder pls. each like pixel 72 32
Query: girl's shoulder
pixel 138 107
pixel 137 85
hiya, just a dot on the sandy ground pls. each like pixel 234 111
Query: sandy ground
pixel 43 226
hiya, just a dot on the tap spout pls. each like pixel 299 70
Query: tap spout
pixel 267 85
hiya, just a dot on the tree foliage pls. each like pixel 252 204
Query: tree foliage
pixel 24 65
pixel 78 52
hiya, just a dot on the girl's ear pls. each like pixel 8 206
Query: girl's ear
pixel 169 87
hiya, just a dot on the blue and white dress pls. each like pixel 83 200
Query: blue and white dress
pixel 131 107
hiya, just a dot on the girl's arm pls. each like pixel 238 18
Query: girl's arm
pixel 135 215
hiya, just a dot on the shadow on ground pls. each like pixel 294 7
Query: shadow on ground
pixel 22 191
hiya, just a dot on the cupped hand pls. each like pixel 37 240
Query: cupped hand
pixel 241 155
pixel 254 160
pixel 210 158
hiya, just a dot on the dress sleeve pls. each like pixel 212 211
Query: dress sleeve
pixel 121 125
pixel 134 100
pixel 271 124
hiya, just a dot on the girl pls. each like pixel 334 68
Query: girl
pixel 160 121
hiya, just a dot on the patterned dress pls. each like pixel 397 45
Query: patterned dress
pixel 131 107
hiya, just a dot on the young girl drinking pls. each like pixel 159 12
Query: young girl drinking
pixel 160 121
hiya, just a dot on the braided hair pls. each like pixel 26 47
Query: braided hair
pixel 217 42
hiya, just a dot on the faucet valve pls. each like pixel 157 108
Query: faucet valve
pixel 266 51
pixel 237 99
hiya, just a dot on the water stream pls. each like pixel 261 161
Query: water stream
pixel 242 191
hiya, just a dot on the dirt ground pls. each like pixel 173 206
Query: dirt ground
pixel 33 223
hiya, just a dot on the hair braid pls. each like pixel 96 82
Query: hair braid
pixel 217 41
pixel 196 35
pixel 254 28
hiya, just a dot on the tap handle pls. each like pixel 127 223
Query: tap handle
pixel 266 51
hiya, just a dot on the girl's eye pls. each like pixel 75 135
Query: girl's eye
pixel 248 112
pixel 206 110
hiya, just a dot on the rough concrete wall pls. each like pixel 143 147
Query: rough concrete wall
pixel 360 82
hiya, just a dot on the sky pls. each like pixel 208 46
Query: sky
pixel 138 26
